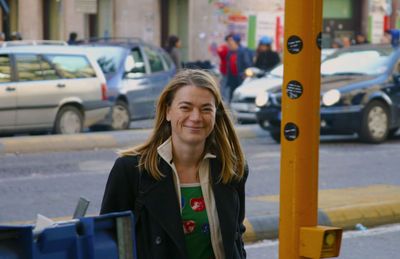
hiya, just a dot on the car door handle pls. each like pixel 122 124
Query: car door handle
pixel 10 89
pixel 60 85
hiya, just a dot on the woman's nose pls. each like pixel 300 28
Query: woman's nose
pixel 195 114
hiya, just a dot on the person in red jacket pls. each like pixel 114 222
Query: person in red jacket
pixel 222 52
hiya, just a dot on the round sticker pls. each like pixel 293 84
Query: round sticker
pixel 291 131
pixel 294 89
pixel 294 44
pixel 319 40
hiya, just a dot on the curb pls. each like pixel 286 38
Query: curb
pixel 88 141
pixel 382 210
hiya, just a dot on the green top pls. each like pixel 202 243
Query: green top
pixel 195 222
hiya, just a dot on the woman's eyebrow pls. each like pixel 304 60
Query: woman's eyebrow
pixel 189 103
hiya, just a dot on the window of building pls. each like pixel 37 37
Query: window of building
pixel 338 9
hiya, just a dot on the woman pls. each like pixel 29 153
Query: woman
pixel 173 46
pixel 185 185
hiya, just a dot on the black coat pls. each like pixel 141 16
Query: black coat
pixel 159 232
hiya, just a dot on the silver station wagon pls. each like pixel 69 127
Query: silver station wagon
pixel 50 88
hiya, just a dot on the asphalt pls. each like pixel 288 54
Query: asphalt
pixel 369 205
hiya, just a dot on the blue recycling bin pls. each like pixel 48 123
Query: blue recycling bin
pixel 106 236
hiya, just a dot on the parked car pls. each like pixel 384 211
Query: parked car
pixel 360 93
pixel 136 74
pixel 256 82
pixel 55 88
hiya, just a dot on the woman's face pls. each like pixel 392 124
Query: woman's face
pixel 192 115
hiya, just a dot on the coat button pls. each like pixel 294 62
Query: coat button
pixel 158 240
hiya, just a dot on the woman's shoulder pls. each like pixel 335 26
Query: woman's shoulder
pixel 128 160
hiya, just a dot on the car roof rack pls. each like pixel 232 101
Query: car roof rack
pixel 32 42
pixel 113 40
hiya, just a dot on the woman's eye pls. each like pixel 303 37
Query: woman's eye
pixel 184 108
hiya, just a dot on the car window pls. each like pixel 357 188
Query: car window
pixel 5 69
pixel 72 66
pixel 108 58
pixel 167 60
pixel 365 62
pixel 29 68
pixel 154 58
pixel 134 64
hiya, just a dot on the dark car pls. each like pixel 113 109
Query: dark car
pixel 136 74
pixel 360 93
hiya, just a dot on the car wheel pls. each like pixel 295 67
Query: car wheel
pixel 69 120
pixel 276 135
pixel 375 123
pixel 121 117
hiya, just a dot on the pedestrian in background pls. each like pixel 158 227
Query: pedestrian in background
pixel 239 58
pixel 174 44
pixel 387 37
pixel 73 39
pixel 346 42
pixel 265 58
pixel 361 39
pixel 222 52
pixel 186 184
pixel 16 36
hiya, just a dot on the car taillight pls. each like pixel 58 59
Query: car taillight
pixel 104 91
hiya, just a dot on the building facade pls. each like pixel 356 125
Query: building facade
pixel 200 24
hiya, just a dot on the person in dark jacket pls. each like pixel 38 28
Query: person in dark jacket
pixel 186 183
pixel 265 58
pixel 239 58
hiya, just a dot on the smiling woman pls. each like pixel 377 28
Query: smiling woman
pixel 185 185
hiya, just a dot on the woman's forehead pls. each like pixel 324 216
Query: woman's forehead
pixel 192 93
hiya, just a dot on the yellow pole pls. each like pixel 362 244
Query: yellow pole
pixel 300 123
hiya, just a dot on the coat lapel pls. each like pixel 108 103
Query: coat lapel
pixel 162 203
pixel 227 206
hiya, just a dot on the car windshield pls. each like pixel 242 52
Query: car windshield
pixel 277 71
pixel 108 58
pixel 357 62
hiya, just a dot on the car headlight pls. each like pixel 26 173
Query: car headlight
pixel 331 97
pixel 262 99
pixel 249 72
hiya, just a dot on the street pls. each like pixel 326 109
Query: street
pixel 51 184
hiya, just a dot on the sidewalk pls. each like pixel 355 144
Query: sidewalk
pixel 87 141
pixel 371 206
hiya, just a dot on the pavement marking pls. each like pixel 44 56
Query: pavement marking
pixel 370 205
pixel 246 133
pixel 57 143
pixel 249 235
pixel 348 196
